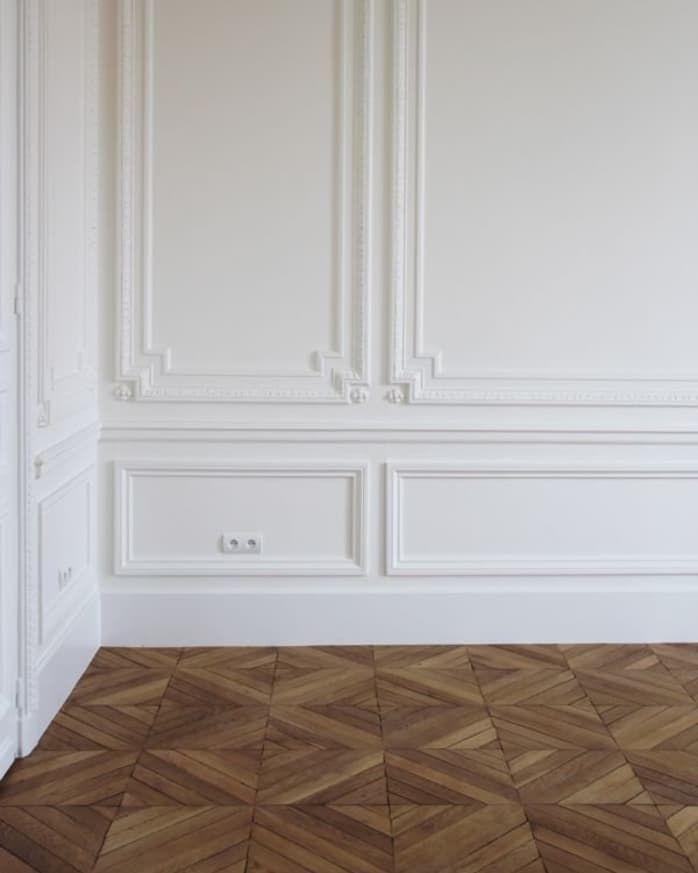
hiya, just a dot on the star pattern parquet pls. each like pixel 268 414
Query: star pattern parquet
pixel 359 759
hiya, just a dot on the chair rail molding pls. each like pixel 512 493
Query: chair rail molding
pixel 147 370
pixel 420 375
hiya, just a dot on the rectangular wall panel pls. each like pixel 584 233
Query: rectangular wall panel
pixel 170 518
pixel 465 520
pixel 546 202
pixel 244 200
pixel 66 549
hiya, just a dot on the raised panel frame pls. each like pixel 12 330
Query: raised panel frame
pixel 398 472
pixel 126 564
pixel 144 371
pixel 418 375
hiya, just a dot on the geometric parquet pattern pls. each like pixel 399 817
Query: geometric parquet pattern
pixel 393 759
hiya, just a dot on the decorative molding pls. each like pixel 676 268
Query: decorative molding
pixel 423 372
pixel 72 589
pixel 540 566
pixel 60 395
pixel 396 396
pixel 57 455
pixel 123 392
pixel 338 376
pixel 126 564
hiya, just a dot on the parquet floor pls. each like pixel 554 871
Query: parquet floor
pixel 496 759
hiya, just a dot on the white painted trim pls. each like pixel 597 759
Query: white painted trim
pixel 146 372
pixel 198 432
pixel 399 617
pixel 59 668
pixel 125 564
pixel 59 453
pixel 418 375
pixel 493 565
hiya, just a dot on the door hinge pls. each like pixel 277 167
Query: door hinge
pixel 19 694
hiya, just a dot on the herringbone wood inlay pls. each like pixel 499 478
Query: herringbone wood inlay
pixel 323 727
pixel 606 839
pixel 288 839
pixel 436 776
pixel 248 760
pixel 50 838
pixel 208 727
pixel 193 778
pixel 99 727
pixel 438 727
pixel 573 776
pixel 464 839
pixel 184 840
pixel 550 727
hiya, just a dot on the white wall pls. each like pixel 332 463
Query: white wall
pixel 408 288
pixel 58 221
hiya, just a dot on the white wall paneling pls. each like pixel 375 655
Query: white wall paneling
pixel 170 518
pixel 545 203
pixel 541 519
pixel 244 237
pixel 66 552
pixel 60 206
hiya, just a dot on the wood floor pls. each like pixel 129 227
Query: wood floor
pixel 497 759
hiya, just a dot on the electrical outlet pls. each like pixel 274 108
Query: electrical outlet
pixel 241 543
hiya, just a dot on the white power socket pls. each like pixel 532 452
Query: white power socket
pixel 241 543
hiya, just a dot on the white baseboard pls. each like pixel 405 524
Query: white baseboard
pixel 59 670
pixel 172 618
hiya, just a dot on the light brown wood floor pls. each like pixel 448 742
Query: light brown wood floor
pixel 497 759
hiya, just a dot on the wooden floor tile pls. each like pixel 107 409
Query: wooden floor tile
pixel 438 727
pixel 191 687
pixel 12 864
pixel 574 776
pixel 653 727
pixel 551 727
pixel 609 657
pixel 323 727
pixel 182 840
pixel 422 657
pixel 99 727
pixel 606 839
pixel 683 824
pixel 678 656
pixel 208 727
pixel 312 776
pixel 651 687
pixel 164 777
pixel 51 839
pixel 463 839
pixel 517 657
pixel 552 687
pixel 438 776
pixel 408 687
pixel 67 779
pixel 326 657
pixel 288 839
pixel 227 658
pixel 121 687
pixel 688 679
pixel 341 687
pixel 669 777
pixel 119 658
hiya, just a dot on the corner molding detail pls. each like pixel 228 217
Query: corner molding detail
pixel 123 392
pixel 336 375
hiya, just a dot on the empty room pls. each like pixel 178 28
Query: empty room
pixel 348 436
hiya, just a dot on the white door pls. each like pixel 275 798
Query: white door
pixel 9 572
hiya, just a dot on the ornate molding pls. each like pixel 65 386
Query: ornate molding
pixel 334 375
pixel 421 372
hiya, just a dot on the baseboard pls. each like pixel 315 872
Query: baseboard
pixel 59 670
pixel 400 617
